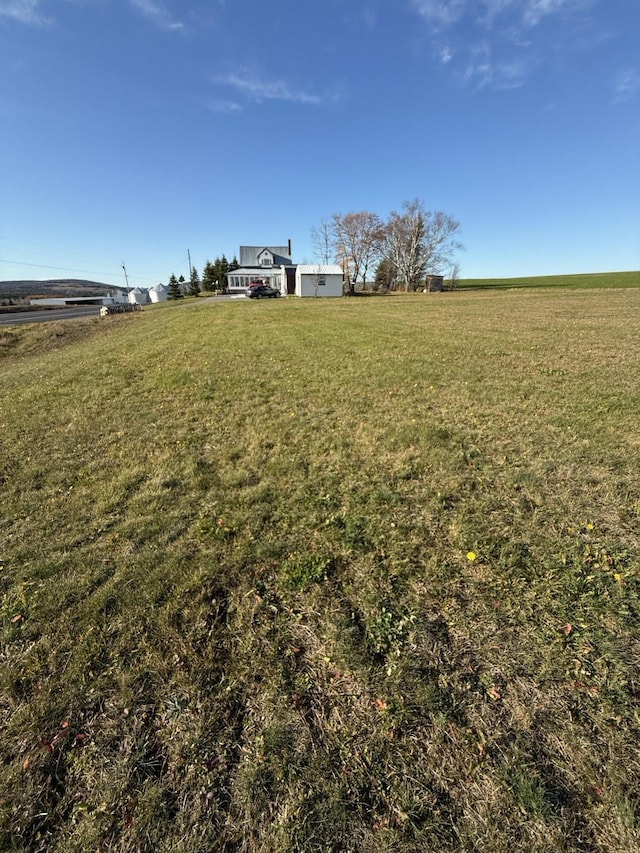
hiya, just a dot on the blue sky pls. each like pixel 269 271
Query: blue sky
pixel 133 130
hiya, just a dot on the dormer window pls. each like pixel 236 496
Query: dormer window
pixel 265 261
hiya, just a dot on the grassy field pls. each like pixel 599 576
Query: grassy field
pixel 580 281
pixel 349 575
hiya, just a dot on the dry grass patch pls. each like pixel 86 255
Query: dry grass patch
pixel 349 575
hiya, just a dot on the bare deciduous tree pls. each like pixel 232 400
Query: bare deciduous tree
pixel 420 241
pixel 322 241
pixel 454 276
pixel 357 241
pixel 411 244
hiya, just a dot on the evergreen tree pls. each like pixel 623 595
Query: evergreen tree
pixel 194 283
pixel 222 268
pixel 385 275
pixel 175 291
pixel 209 276
pixel 216 273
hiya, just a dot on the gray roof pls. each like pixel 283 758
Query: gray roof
pixel 249 255
pixel 258 272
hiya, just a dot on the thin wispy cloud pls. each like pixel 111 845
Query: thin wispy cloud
pixel 30 12
pixel 157 13
pixel 23 11
pixel 224 107
pixel 446 13
pixel 258 90
pixel 534 11
pixel 495 43
pixel 440 13
pixel 483 70
pixel 496 75
pixel 627 85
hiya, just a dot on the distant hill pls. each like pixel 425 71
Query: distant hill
pixel 55 287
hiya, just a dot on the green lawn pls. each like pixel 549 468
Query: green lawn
pixel 333 575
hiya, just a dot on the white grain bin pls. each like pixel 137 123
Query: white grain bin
pixel 159 293
pixel 137 296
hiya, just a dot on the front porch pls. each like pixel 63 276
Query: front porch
pixel 240 279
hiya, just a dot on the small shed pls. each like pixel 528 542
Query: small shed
pixel 319 280
pixel 434 284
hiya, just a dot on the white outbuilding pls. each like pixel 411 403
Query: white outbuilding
pixel 138 296
pixel 319 280
pixel 159 293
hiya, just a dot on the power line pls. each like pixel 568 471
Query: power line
pixel 60 269
pixel 151 277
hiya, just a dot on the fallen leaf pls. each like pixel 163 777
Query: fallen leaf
pixel 17 618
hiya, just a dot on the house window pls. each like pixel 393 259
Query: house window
pixel 265 261
pixel 321 281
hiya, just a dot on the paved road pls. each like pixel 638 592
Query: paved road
pixel 73 313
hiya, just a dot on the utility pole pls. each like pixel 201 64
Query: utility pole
pixel 189 256
pixel 126 279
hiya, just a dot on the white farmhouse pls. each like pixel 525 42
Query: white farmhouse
pixel 267 264
pixel 319 280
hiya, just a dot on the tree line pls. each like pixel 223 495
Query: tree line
pixel 411 244
pixel 214 278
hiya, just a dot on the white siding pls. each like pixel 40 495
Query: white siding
pixel 318 280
